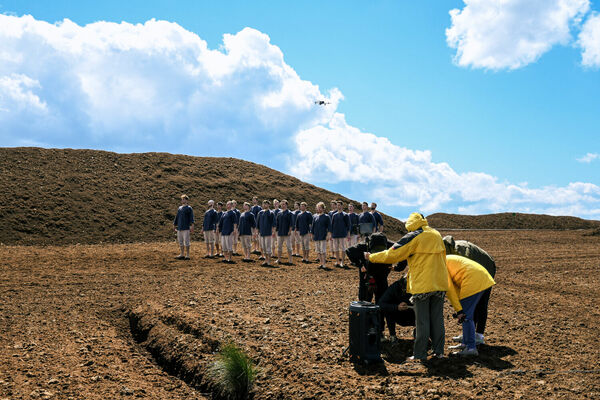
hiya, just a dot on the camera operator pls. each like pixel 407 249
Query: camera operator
pixel 372 276
pixel 396 307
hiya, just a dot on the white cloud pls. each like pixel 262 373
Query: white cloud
pixel 158 87
pixel 337 153
pixel 156 81
pixel 588 158
pixel 17 91
pixel 509 34
pixel 589 41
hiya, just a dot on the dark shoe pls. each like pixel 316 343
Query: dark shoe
pixel 180 258
pixel 207 256
pixel 230 262
pixel 261 258
pixel 321 267
pixel 186 258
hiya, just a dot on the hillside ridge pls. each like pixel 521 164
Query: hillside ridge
pixel 509 220
pixel 66 196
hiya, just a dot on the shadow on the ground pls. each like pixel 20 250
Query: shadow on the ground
pixel 451 366
pixel 377 369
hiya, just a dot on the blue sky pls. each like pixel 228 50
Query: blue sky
pixel 486 115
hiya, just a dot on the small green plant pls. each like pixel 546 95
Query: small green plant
pixel 232 374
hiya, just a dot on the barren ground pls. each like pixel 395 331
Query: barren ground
pixel 129 321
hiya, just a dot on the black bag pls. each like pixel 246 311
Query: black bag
pixel 365 333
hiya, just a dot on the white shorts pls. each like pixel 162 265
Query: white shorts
pixel 246 241
pixel 227 242
pixel 288 243
pixel 353 240
pixel 295 237
pixel 339 244
pixel 183 237
pixel 266 244
pixel 321 246
pixel 209 237
pixel 305 240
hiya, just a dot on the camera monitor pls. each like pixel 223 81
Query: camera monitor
pixel 366 228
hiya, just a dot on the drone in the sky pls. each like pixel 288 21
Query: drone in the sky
pixel 322 102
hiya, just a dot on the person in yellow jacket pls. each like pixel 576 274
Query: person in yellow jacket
pixel 427 281
pixel 467 281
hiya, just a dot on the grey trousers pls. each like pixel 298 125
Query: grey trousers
pixel 429 316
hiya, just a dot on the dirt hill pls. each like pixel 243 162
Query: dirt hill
pixel 508 221
pixel 62 196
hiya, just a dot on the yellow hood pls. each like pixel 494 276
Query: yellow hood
pixel 415 221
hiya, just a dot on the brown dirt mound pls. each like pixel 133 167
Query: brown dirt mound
pixel 64 196
pixel 508 221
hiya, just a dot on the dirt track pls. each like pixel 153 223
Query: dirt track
pixel 67 314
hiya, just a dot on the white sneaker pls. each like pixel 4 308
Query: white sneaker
pixel 479 338
pixel 459 346
pixel 457 338
pixel 466 353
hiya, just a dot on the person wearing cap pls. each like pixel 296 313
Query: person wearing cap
pixel 184 226
pixel 246 228
pixel 209 228
pixel 467 281
pixel 473 252
pixel 424 250
pixel 378 218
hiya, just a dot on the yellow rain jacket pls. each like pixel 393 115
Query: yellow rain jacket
pixel 424 249
pixel 465 278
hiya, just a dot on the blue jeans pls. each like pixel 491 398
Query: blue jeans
pixel 468 304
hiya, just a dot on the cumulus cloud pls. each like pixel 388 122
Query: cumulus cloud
pixel 157 82
pixel 158 87
pixel 589 41
pixel 588 158
pixel 509 34
pixel 337 153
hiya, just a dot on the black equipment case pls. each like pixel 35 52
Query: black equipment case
pixel 365 336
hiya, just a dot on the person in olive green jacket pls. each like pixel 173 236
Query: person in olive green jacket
pixel 480 256
pixel 427 280
pixel 467 280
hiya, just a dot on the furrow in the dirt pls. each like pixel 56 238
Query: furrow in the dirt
pixel 178 353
